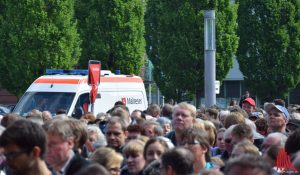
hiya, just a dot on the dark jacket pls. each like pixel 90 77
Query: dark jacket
pixel 171 136
pixel 76 164
pixel 225 156
pixel 124 171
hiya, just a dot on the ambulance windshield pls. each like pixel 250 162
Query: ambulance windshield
pixel 44 101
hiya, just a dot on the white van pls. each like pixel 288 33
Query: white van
pixel 69 90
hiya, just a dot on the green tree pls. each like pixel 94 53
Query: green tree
pixel 175 35
pixel 269 46
pixel 112 32
pixel 35 35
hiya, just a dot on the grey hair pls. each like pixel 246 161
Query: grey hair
pixel 224 113
pixel 250 123
pixel 60 127
pixel 101 140
pixel 187 106
pixel 279 135
pixel 163 120
pixel 228 131
pixel 158 130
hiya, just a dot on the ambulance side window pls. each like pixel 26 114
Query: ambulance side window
pixel 81 106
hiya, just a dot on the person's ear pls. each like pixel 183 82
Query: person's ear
pixel 36 152
pixel 126 133
pixel 71 142
pixel 204 149
pixel 286 121
pixel 170 170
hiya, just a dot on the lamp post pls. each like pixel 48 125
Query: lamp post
pixel 209 58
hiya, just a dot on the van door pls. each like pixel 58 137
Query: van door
pixel 82 106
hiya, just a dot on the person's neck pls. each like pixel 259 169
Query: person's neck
pixel 279 129
pixel 39 168
pixel 117 149
pixel 199 165
pixel 59 165
pixel 178 137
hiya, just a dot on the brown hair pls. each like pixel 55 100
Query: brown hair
pixel 261 125
pixel 9 119
pixel 135 128
pixel 89 117
pixel 199 135
pixel 80 132
pixel 247 148
pixel 242 131
pixel 154 140
pixel 233 118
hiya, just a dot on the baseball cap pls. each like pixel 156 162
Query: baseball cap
pixel 256 115
pixel 282 109
pixel 250 101
pixel 294 122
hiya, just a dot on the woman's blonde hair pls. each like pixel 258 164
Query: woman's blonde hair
pixel 211 130
pixel 107 157
pixel 134 147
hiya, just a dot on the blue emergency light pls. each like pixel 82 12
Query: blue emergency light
pixel 66 72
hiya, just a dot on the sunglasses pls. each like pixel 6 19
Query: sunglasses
pixel 253 118
pixel 227 140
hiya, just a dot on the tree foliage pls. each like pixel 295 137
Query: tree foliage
pixel 35 35
pixel 175 43
pixel 269 51
pixel 112 32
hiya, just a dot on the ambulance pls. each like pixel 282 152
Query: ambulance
pixel 69 90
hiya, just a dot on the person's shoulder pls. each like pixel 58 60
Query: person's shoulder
pixel 170 134
pixel 76 163
pixel 124 170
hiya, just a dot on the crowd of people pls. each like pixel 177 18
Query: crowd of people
pixel 169 140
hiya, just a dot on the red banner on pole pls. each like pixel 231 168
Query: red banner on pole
pixel 94 78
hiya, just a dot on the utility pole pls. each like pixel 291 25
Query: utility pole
pixel 209 58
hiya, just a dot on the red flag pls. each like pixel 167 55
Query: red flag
pixel 85 107
pixel 283 161
pixel 94 78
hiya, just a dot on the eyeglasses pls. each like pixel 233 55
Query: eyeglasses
pixel 13 155
pixel 252 118
pixel 227 140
